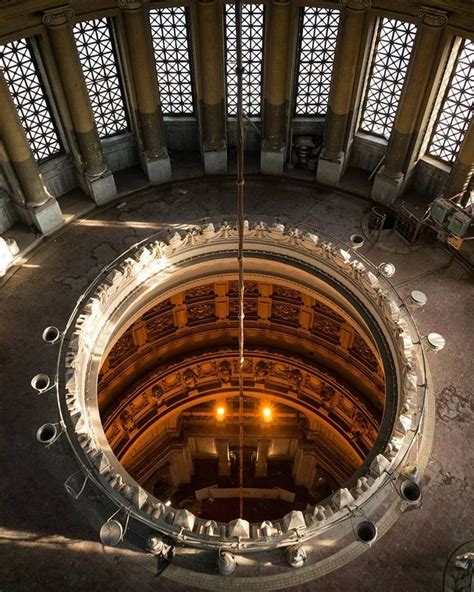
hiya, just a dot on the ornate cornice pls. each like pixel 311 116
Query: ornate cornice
pixel 356 4
pixel 432 16
pixel 58 16
pixel 132 4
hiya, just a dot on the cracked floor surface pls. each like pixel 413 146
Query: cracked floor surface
pixel 46 541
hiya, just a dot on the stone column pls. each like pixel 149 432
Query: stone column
pixel 222 447
pixel 99 180
pixel 209 29
pixel 155 159
pixel 390 179
pixel 351 41
pixel 304 467
pixel 261 468
pixel 41 207
pixel 275 86
pixel 463 168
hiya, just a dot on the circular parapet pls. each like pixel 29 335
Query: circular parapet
pixel 165 261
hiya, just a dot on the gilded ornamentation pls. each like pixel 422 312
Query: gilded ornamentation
pixel 250 288
pixel 201 312
pixel 362 351
pixel 160 324
pixel 123 348
pixel 285 312
pixel 250 308
pixel 200 292
pixel 190 378
pixel 327 328
pixel 261 371
pixel 295 379
pixel 126 419
pixel 324 309
pixel 288 293
pixel 225 371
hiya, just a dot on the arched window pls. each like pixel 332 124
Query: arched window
pixel 19 69
pixel 318 32
pixel 390 60
pixel 99 65
pixel 173 61
pixel 456 108
pixel 252 58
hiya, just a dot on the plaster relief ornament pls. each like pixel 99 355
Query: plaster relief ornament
pixel 225 371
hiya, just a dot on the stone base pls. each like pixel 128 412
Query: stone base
pixel 158 170
pixel 48 217
pixel 330 171
pixel 6 257
pixel 386 189
pixel 102 189
pixel 271 162
pixel 215 162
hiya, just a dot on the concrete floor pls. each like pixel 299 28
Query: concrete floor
pixel 46 542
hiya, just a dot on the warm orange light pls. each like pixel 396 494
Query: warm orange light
pixel 220 412
pixel 267 413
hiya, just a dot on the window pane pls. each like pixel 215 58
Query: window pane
pixel 252 55
pixel 173 62
pixel 389 66
pixel 99 65
pixel 16 62
pixel 457 107
pixel 316 56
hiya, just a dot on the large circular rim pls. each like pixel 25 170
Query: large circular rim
pixel 140 265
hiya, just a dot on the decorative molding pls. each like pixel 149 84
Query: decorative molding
pixel 432 16
pixel 132 4
pixel 356 4
pixel 58 16
pixel 130 278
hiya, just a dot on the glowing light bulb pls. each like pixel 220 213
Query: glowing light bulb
pixel 267 413
pixel 220 413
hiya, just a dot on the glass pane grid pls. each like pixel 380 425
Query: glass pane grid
pixel 173 61
pixel 389 66
pixel 16 62
pixel 99 66
pixel 316 56
pixel 252 57
pixel 457 108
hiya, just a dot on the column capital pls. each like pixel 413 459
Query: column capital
pixel 432 16
pixel 132 4
pixel 58 16
pixel 356 4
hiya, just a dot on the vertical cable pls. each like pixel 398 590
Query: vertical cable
pixel 240 224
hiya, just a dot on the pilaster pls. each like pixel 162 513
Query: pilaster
pixel 155 159
pixel 389 181
pixel 209 36
pixel 98 179
pixel 351 42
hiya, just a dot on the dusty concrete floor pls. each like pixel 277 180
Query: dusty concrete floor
pixel 46 542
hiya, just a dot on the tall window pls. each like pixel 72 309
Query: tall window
pixel 173 61
pixel 316 55
pixel 99 64
pixel 457 107
pixel 389 66
pixel 252 58
pixel 18 66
